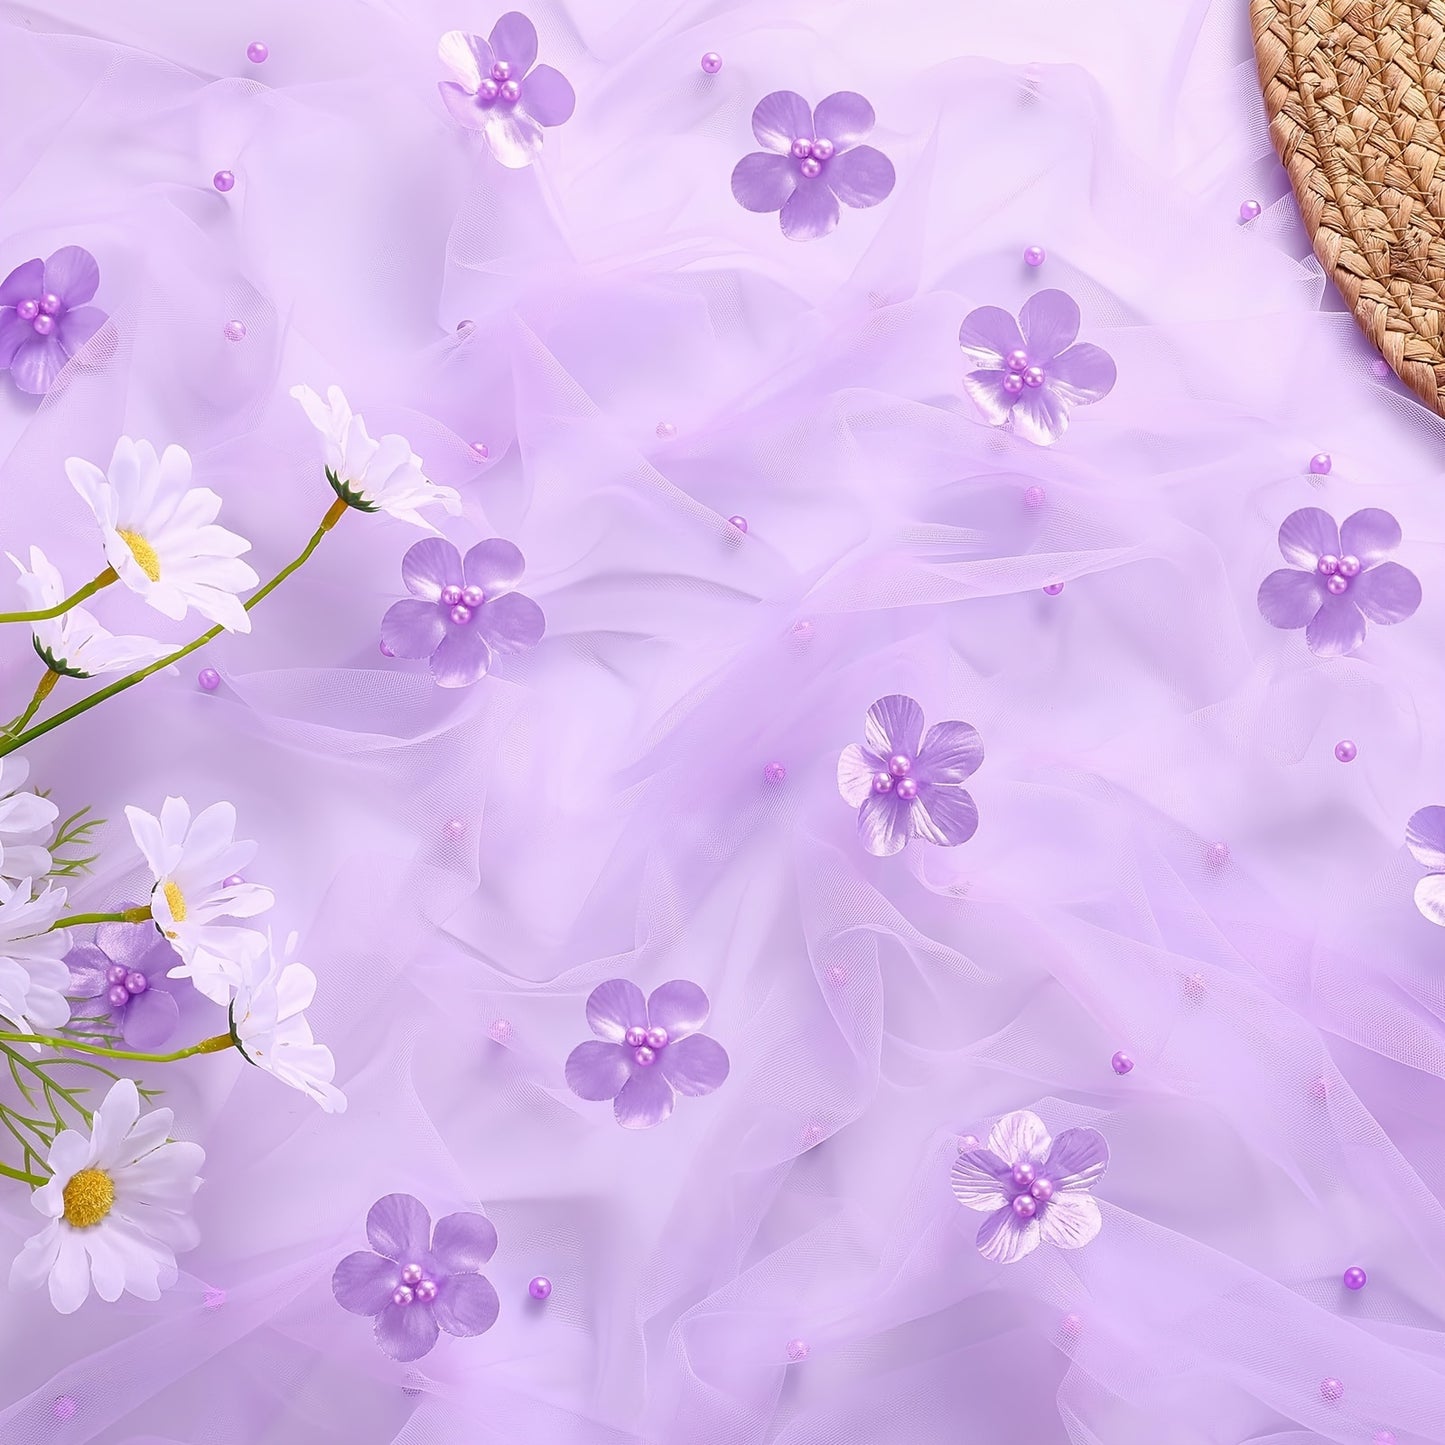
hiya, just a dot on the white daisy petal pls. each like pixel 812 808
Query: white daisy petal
pixel 33 979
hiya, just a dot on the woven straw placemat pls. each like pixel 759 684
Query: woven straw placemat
pixel 1355 92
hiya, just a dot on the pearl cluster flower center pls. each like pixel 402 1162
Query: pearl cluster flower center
pixel 42 312
pixel 812 155
pixel 462 602
pixel 1338 572
pixel 1033 1189
pixel 646 1044
pixel 499 85
pixel 125 984
pixel 416 1285
pixel 898 778
pixel 1021 372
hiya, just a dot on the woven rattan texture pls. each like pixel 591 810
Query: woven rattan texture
pixel 1353 90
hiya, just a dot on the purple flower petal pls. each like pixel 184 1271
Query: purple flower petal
pixel 463 1242
pixel 548 96
pixel 1020 1138
pixel 1050 323
pixel 496 566
pixel 844 118
pixel 883 824
pixel 1307 535
pixel 363 1282
pixel 1004 1238
pixel 944 814
pixel 463 105
pixel 75 328
pixel 150 1019
pixel 399 1227
pixel 1337 629
pixel 780 118
pixel 1425 836
pixel 1370 534
pixel 1077 1159
pixel 810 212
pixel 514 39
pixel 1290 598
pixel 87 965
pixel 462 656
pixel 894 724
pixel 515 138
pixel 976 1180
pixel 72 274
pixel 407 1332
pixel 1387 593
pixel 37 363
pixel 861 178
pixel 856 769
pixel 761 182
pixel 412 628
pixel 597 1070
pixel 644 1101
pixel 139 946
pixel 1430 897
pixel 1040 415
pixel 695 1065
pixel 513 623
pixel 25 283
pixel 951 752
pixel 430 565
pixel 614 1007
pixel 1083 374
pixel 468 57
pixel 985 389
pixel 14 330
pixel 466 1305
pixel 1069 1221
pixel 988 334
pixel 680 1007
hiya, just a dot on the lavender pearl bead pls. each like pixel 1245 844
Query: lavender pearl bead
pixel 1121 1063
pixel 1034 497
pixel 136 983
pixel 117 996
pixel 1337 586
pixel 539 1287
pixel 510 90
pixel 1035 256
pixel 1321 463
pixel 234 881
pixel 899 764
pixel 28 310
pixel 426 1291
pixel 1346 751
pixel 501 69
pixel 43 324
pixel 1017 360
pixel 116 973
pixel 1013 385
pixel 740 522
pixel 1349 566
pixel 1355 1277
pixel 882 783
pixel 1053 589
pixel 907 789
pixel 802 148
pixel 257 51
pixel 460 615
pixel 451 594
pixel 1025 1206
pixel 712 62
pixel 1328 565
pixel 482 450
pixel 234 331
pixel 402 1295
pixel 473 596
pixel 50 304
pixel 411 1274
pixel 1023 1174
pixel 1042 1190
pixel 811 167
pixel 823 149
pixel 385 650
pixel 645 1057
pixel 635 1037
pixel 487 90
pixel 657 1038
pixel 223 180
pixel 1249 210
pixel 209 679
pixel 1034 376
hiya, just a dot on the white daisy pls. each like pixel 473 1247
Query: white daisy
pixel 26 822
pixel 118 1203
pixel 75 643
pixel 191 859
pixel 269 1025
pixel 160 533
pixel 33 975
pixel 374 476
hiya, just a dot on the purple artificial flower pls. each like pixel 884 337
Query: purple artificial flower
pixel 646 1052
pixel 500 90
pixel 461 612
pixel 1425 838
pixel 124 969
pixel 1338 577
pixel 1034 1189
pixel 420 1280
pixel 1030 372
pixel 811 160
pixel 907 785
pixel 44 320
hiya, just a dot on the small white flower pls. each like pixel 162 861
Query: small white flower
pixel 161 535
pixel 75 643
pixel 33 975
pixel 268 1022
pixel 118 1203
pixel 191 859
pixel 373 476
pixel 26 822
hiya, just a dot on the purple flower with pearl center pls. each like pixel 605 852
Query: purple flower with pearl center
pixel 44 320
pixel 811 160
pixel 1425 838
pixel 1030 373
pixel 906 785
pixel 420 1280
pixel 124 972
pixel 1034 1189
pixel 499 89
pixel 1338 578
pixel 646 1052
pixel 462 611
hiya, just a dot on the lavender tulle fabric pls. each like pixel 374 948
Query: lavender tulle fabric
pixel 1169 860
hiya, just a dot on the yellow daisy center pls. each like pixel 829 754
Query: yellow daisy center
pixel 143 552
pixel 175 900
pixel 88 1198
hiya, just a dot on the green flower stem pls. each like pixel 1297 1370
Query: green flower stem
pixel 93 586
pixel 334 513
pixel 125 915
pixel 47 681
pixel 207 1046
pixel 35 1180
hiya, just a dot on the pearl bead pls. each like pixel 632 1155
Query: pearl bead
pixel 50 304
pixel 636 1036
pixel 645 1056
pixel 481 450
pixel 1034 497
pixel 1035 255
pixel 656 1038
pixel 455 828
pixel 907 789
pixel 1331 1388
pixel 882 783
pixel 402 1295
pixel 666 431
pixel 1346 751
pixel 1249 210
pixel 1023 1174
pixel 116 973
pixel 234 331
pixel 473 596
pixel 1034 376
pixel 1121 1063
pixel 257 51
pixel 1337 586
pixel 465 326
pixel 510 90
pixel 823 149
pixel 741 523
pixel 28 310
pixel 812 168
pixel 426 1291
pixel 797 1350
pixel 1042 1190
pixel 1017 360
pixel 966 1142
pixel 136 983
pixel 539 1287
pixel 223 180
pixel 1328 565
pixel 1025 1206
pixel 501 1030
pixel 501 70
pixel 775 772
pixel 234 881
pixel 451 594
pixel 900 764
pixel 1054 588
pixel 411 1274
pixel 488 89
pixel 1321 463
pixel 1355 1277
pixel 43 324
pixel 117 995
pixel 1349 566
pixel 209 679
pixel 1013 385
pixel 802 148
pixel 712 62
pixel 385 649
